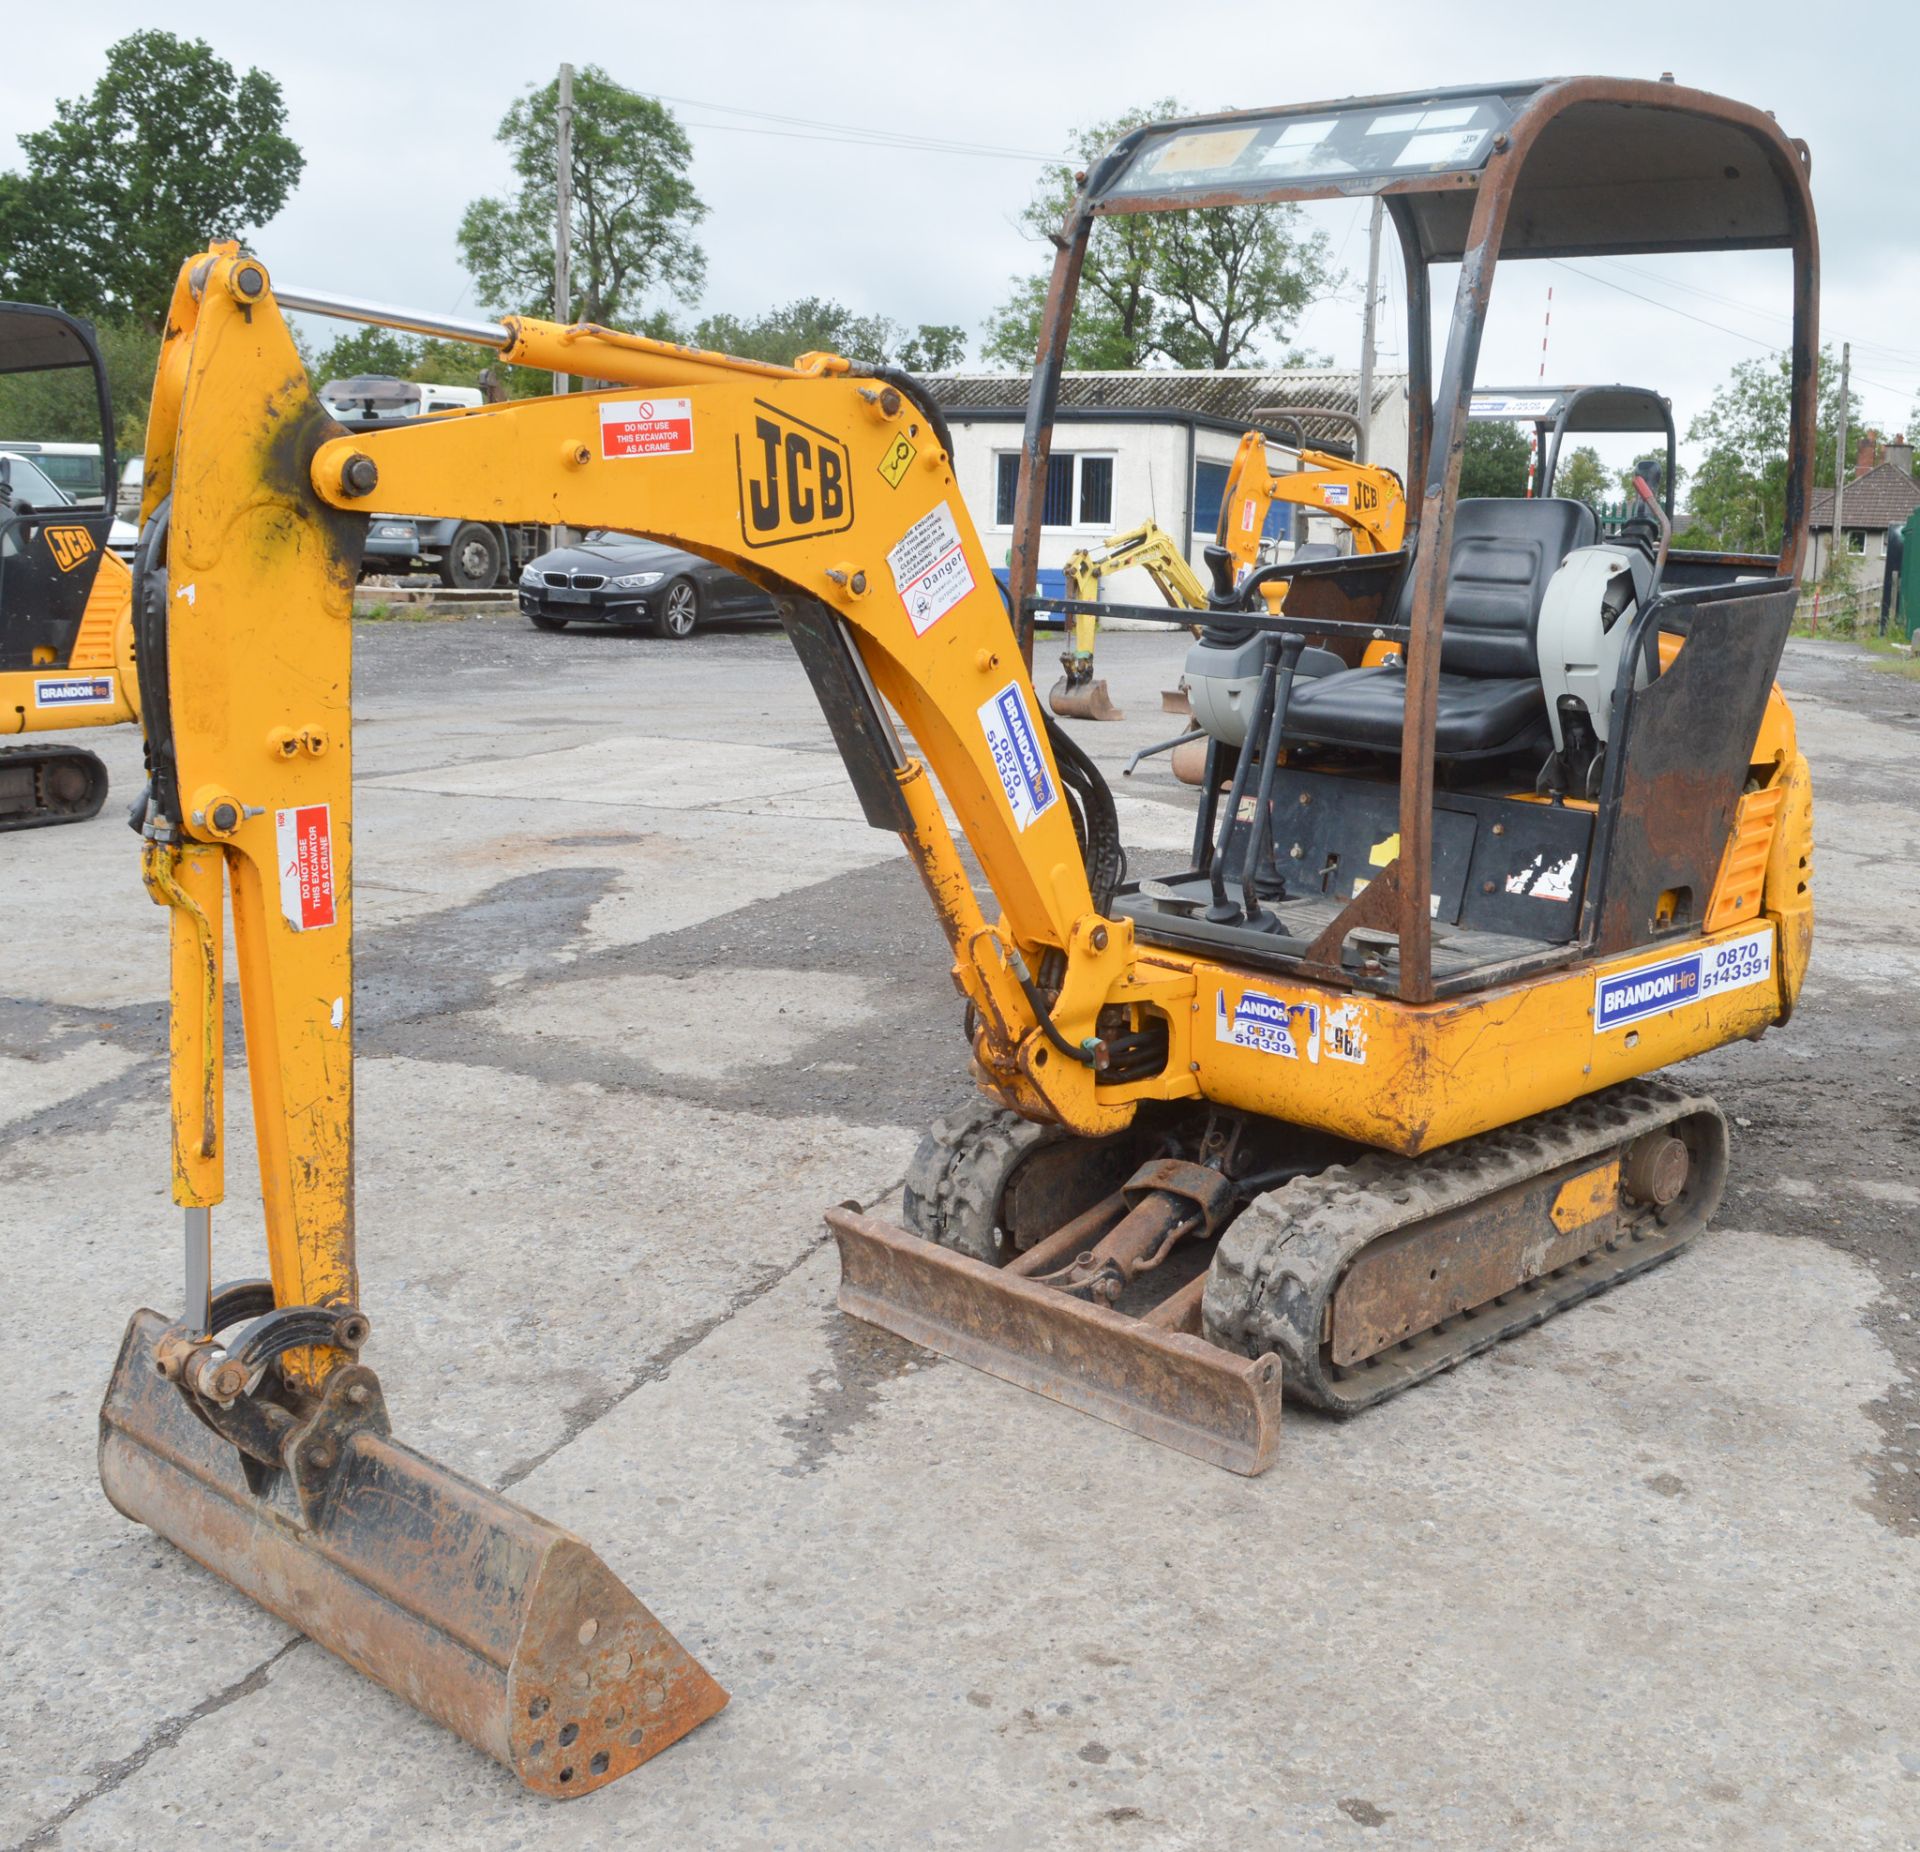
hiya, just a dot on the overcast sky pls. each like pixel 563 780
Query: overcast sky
pixel 395 108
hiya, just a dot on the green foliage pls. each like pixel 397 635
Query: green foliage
pixel 169 151
pixel 1196 289
pixel 378 351
pixel 933 347
pixel 634 209
pixel 816 324
pixel 1739 498
pixel 1495 461
pixel 1582 477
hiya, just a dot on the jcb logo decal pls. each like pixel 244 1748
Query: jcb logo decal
pixel 69 546
pixel 1365 495
pixel 794 480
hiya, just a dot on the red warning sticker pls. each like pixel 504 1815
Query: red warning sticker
pixel 646 428
pixel 304 837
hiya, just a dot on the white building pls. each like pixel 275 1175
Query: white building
pixel 1131 447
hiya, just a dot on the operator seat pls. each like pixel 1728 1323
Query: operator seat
pixel 1490 698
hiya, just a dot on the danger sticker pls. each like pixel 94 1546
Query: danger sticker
pixel 1649 990
pixel 930 569
pixel 304 838
pixel 74 691
pixel 1015 744
pixel 646 428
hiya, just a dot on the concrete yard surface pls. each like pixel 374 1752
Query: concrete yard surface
pixel 638 996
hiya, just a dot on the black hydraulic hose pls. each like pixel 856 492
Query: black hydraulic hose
pixel 1223 912
pixel 914 392
pixel 1260 843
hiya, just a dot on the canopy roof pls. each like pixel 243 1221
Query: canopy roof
pixel 1604 165
pixel 1595 408
pixel 35 339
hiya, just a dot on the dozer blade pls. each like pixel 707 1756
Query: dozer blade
pixel 502 1626
pixel 1166 1385
pixel 1083 701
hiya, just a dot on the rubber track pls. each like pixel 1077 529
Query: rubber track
pixel 41 810
pixel 1277 1266
pixel 959 1174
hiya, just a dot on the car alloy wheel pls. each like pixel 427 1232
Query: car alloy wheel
pixel 680 610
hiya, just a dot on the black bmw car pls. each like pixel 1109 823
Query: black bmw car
pixel 616 579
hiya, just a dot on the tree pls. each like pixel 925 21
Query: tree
pixel 819 325
pixel 1201 289
pixel 169 152
pixel 1739 495
pixel 634 209
pixel 933 347
pixel 1582 477
pixel 377 351
pixel 1495 462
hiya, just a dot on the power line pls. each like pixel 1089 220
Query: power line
pixel 1738 334
pixel 857 133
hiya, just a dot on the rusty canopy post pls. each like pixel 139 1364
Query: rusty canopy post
pixel 1036 438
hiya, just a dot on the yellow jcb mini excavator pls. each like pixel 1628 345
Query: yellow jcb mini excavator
pixel 1363 1091
pixel 1078 695
pixel 66 627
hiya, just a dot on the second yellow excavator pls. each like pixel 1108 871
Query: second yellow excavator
pixel 66 623
pixel 1365 1088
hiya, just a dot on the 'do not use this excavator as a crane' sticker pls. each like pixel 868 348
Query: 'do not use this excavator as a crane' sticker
pixel 1365 1088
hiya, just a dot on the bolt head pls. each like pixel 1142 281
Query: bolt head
pixel 225 817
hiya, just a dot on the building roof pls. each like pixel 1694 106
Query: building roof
pixel 1883 497
pixel 1236 397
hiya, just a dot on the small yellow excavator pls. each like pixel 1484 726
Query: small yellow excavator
pixel 1368 1087
pixel 66 624
pixel 1078 695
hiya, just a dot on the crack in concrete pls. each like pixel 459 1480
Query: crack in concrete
pixel 596 1408
pixel 164 1737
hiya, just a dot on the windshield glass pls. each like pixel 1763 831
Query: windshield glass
pixel 1443 136
pixel 31 484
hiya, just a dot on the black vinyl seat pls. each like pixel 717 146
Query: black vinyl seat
pixel 1490 699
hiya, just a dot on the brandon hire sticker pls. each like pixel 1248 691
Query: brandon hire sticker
pixel 74 691
pixel 1015 744
pixel 930 570
pixel 1269 1024
pixel 1648 990
pixel 646 428
pixel 303 837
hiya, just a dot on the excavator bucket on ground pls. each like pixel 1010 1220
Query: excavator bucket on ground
pixel 496 1623
pixel 1086 699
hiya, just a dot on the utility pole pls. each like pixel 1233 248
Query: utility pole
pixel 563 210
pixel 1840 465
pixel 1365 407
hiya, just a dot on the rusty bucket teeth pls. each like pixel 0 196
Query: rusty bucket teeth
pixel 1173 1388
pixel 1083 701
pixel 500 1625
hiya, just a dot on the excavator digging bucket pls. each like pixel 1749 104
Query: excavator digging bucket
pixel 498 1624
pixel 1084 701
pixel 1168 1385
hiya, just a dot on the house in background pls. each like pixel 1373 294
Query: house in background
pixel 1881 494
pixel 1131 447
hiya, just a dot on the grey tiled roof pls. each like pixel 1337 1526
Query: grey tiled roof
pixel 1236 396
pixel 1883 497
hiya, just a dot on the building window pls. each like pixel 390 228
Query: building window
pixel 1209 490
pixel 1856 540
pixel 1079 489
